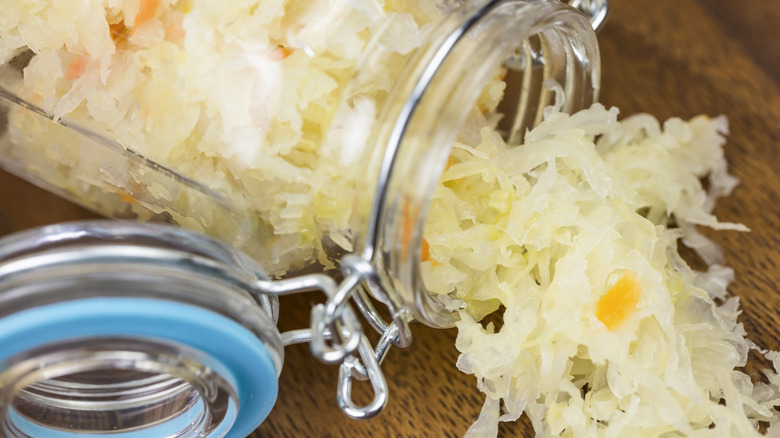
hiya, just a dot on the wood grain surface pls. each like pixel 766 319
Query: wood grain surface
pixel 665 57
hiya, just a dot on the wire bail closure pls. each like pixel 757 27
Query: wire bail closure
pixel 335 333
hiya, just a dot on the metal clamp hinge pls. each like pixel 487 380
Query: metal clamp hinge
pixel 336 336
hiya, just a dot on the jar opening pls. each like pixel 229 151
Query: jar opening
pixel 117 386
pixel 107 400
pixel 525 47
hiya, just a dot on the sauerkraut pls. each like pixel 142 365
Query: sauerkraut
pixel 239 96
pixel 571 242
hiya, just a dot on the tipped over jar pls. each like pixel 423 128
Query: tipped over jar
pixel 266 123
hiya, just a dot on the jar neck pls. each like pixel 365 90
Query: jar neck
pixel 535 42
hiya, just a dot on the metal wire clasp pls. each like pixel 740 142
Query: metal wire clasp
pixel 595 10
pixel 335 334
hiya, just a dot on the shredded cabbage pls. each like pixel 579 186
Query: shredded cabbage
pixel 240 96
pixel 572 241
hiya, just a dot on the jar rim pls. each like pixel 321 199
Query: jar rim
pixel 81 282
pixel 414 161
pixel 138 244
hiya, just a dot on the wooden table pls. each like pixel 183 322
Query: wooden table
pixel 665 57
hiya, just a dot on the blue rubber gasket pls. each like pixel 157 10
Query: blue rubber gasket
pixel 237 354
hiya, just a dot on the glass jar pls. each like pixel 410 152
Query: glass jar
pixel 309 135
pixel 266 125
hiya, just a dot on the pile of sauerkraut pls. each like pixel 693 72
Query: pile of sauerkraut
pixel 572 240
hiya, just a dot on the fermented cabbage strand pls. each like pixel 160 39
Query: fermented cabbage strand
pixel 543 232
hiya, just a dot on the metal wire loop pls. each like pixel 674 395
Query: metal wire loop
pixel 366 307
pixel 371 368
pixel 335 331
pixel 353 265
pixel 344 334
pixel 389 338
pixel 595 10
pixel 338 300
pixel 311 282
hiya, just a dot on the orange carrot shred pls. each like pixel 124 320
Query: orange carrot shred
pixel 76 68
pixel 406 237
pixel 126 197
pixel 280 53
pixel 425 251
pixel 426 254
pixel 146 11
pixel 620 301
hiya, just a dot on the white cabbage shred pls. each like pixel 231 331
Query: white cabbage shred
pixel 541 232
